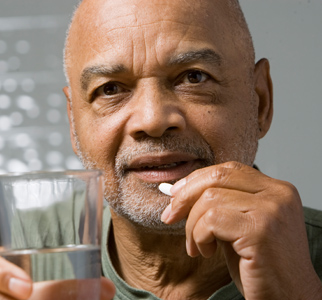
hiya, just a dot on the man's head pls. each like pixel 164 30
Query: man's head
pixel 159 89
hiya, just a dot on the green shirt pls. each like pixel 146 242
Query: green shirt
pixel 47 226
pixel 313 221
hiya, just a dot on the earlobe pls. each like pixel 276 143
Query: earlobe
pixel 70 118
pixel 264 93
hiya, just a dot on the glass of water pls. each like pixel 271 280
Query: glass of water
pixel 50 226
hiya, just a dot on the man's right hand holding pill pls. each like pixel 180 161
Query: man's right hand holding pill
pixel 252 219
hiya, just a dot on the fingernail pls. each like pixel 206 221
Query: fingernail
pixel 166 213
pixel 178 185
pixel 18 286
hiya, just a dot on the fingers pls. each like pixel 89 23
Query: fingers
pixel 16 284
pixel 216 202
pixel 257 222
pixel 108 289
pixel 80 289
pixel 14 281
pixel 225 224
pixel 230 176
pixel 208 217
pixel 4 297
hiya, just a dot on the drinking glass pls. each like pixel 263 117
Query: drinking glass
pixel 50 226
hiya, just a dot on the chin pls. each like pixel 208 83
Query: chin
pixel 157 227
pixel 143 206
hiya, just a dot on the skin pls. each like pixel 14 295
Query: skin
pixel 16 284
pixel 154 98
pixel 241 225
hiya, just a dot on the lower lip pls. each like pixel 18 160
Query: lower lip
pixel 165 175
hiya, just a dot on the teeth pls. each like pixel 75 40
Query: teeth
pixel 168 166
pixel 162 167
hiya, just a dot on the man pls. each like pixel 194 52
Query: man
pixel 168 91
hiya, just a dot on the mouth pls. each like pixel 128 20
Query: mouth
pixel 164 168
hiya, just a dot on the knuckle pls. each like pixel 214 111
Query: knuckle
pixel 214 197
pixel 283 197
pixel 234 165
pixel 180 201
pixel 290 197
pixel 288 189
pixel 210 216
pixel 286 186
pixel 292 190
pixel 184 194
pixel 209 194
pixel 220 174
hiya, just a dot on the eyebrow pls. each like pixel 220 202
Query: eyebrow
pixel 206 55
pixel 99 70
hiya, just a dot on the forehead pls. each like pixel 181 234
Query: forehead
pixel 140 29
pixel 130 13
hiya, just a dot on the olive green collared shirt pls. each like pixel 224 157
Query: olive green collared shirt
pixel 313 221
pixel 49 224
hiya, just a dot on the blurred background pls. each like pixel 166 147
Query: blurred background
pixel 34 130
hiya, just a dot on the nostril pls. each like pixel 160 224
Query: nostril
pixel 140 134
pixel 155 120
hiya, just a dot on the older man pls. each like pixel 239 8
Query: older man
pixel 168 91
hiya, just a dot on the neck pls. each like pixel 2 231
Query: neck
pixel 159 263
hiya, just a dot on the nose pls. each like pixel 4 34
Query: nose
pixel 156 111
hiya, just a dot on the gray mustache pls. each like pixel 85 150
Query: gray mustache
pixel 169 143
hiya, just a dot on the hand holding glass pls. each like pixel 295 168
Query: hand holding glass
pixel 50 226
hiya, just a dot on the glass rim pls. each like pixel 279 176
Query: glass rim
pixel 50 174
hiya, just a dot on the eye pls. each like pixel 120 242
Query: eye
pixel 195 77
pixel 111 88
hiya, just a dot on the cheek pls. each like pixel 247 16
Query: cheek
pixel 100 139
pixel 214 125
pixel 223 128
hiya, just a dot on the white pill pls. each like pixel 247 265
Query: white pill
pixel 165 188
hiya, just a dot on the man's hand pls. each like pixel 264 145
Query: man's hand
pixel 82 289
pixel 16 284
pixel 259 223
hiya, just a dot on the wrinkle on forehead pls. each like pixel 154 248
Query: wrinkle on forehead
pixel 96 20
pixel 120 14
pixel 107 16
pixel 143 12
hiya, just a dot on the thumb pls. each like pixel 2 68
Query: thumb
pixel 107 289
pixel 14 281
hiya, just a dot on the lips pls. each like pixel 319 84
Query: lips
pixel 162 168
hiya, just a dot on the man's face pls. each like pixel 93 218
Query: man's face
pixel 159 89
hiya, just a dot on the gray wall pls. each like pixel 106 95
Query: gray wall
pixel 289 34
pixel 33 125
pixel 34 131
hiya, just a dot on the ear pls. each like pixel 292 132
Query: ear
pixel 264 92
pixel 70 118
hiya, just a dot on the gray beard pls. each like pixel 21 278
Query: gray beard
pixel 142 203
